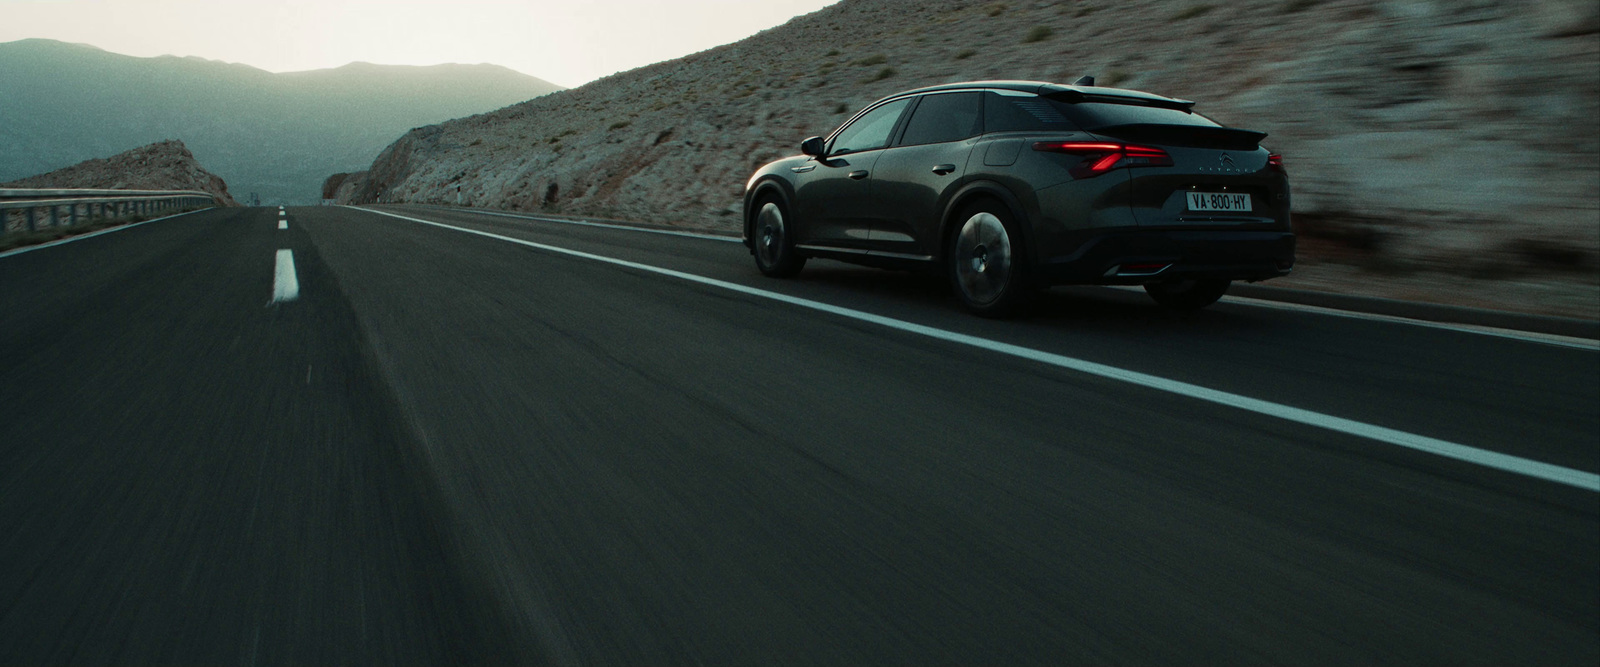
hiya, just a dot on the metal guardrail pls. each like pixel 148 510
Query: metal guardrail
pixel 33 206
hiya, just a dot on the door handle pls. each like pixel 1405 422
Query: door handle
pixel 942 169
pixel 858 175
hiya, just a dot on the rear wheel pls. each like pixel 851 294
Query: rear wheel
pixel 987 267
pixel 774 248
pixel 1188 294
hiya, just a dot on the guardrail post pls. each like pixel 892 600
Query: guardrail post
pixel 73 219
pixel 31 226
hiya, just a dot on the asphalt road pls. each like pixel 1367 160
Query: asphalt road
pixel 452 448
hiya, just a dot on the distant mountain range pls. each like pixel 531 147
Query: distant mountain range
pixel 278 135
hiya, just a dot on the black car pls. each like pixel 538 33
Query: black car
pixel 1009 186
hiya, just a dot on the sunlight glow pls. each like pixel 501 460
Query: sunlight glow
pixel 567 43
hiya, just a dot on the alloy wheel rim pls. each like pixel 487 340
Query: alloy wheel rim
pixel 983 258
pixel 769 233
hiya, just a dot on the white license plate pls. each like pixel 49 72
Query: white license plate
pixel 1218 201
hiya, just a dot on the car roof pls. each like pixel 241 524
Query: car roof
pixel 1082 93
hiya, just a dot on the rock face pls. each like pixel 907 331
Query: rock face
pixel 1452 135
pixel 166 165
pixel 330 187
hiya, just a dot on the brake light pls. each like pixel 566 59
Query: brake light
pixel 1275 163
pixel 1100 157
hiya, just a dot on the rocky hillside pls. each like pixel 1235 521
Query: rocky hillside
pixel 166 165
pixel 1428 134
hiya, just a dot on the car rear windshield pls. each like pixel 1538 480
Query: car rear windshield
pixel 1004 113
pixel 1095 115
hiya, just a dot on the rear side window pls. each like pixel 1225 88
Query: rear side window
pixel 1095 115
pixel 943 117
pixel 1005 113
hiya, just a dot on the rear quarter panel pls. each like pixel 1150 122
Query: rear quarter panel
pixel 1059 212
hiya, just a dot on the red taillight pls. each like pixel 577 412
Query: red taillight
pixel 1275 163
pixel 1100 157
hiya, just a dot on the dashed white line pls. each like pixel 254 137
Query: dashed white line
pixel 283 224
pixel 285 286
pixel 1459 452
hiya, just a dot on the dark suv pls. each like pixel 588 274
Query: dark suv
pixel 1007 186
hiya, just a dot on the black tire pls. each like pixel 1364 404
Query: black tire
pixel 1188 294
pixel 986 262
pixel 771 241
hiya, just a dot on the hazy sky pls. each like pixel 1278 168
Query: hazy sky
pixel 568 43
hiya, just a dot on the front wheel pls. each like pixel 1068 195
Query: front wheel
pixel 986 264
pixel 1188 294
pixel 774 248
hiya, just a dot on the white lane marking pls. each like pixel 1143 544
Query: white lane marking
pixel 585 223
pixel 285 286
pixel 283 224
pixel 80 237
pixel 1483 457
pixel 1524 336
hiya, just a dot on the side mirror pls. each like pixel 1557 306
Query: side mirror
pixel 812 146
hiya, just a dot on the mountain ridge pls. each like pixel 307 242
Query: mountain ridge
pixel 278 134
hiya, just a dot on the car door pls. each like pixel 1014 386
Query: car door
pixel 910 180
pixel 832 192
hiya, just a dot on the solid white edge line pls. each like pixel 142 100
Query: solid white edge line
pixel 585 223
pixel 283 224
pixel 285 286
pixel 80 237
pixel 1483 457
pixel 1524 336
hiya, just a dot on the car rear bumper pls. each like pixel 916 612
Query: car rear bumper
pixel 1137 257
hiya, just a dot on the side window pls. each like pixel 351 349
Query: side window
pixel 1003 113
pixel 943 117
pixel 869 132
